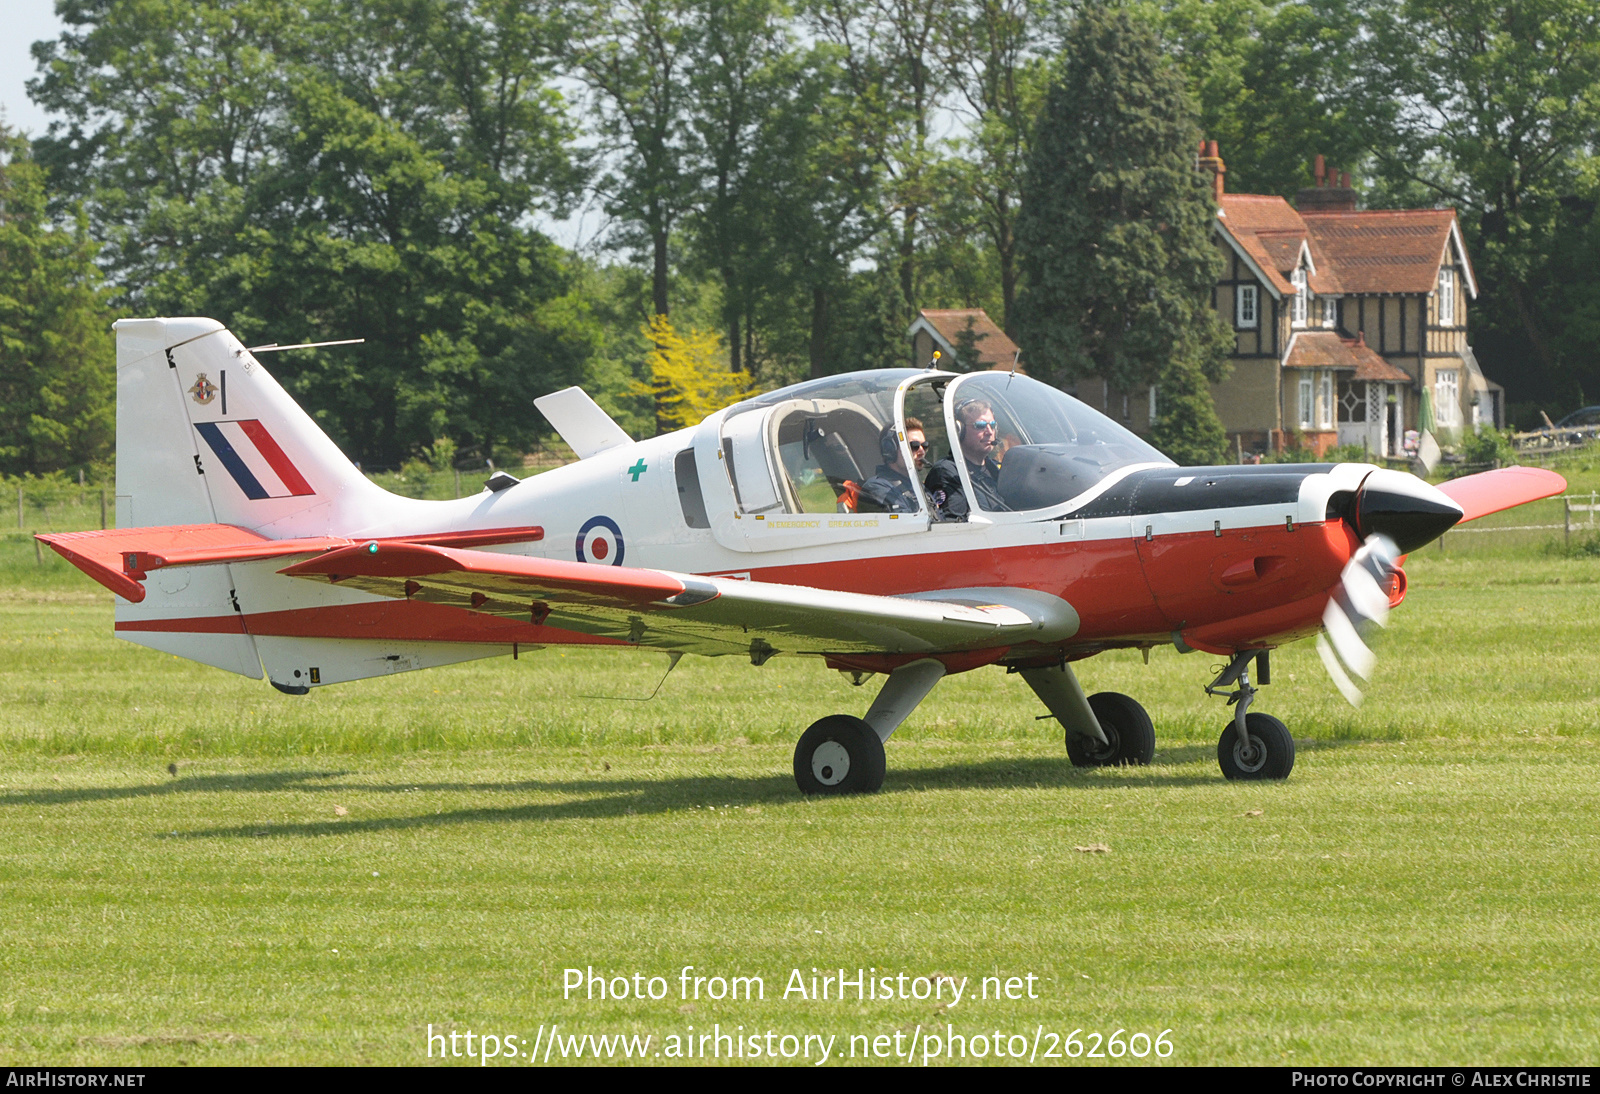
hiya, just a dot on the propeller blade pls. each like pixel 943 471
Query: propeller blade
pixel 1360 603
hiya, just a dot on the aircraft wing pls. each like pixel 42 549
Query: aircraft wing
pixel 1491 491
pixel 684 612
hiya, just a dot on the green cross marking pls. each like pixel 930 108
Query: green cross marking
pixel 637 469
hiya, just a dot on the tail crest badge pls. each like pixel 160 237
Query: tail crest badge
pixel 204 391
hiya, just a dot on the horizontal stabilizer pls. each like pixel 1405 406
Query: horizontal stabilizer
pixel 1491 491
pixel 119 558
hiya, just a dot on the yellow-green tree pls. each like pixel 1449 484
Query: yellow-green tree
pixel 689 375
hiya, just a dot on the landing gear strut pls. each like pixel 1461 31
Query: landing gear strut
pixel 1253 746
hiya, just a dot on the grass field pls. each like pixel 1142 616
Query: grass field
pixel 324 877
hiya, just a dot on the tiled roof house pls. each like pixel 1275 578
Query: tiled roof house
pixel 1343 319
pixel 966 339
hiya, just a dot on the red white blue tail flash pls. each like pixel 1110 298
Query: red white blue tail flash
pixel 254 459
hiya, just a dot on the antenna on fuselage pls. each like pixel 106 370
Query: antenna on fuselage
pixel 273 347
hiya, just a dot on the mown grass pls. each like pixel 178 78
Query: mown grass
pixel 324 877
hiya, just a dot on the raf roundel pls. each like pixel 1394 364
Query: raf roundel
pixel 600 542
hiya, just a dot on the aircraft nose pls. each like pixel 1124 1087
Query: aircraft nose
pixel 1404 508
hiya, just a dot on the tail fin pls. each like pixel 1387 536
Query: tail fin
pixel 205 435
pixel 219 476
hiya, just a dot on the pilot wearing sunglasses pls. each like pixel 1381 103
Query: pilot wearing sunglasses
pixel 977 430
pixel 891 489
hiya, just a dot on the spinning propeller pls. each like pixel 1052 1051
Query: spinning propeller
pixel 1394 513
pixel 1359 605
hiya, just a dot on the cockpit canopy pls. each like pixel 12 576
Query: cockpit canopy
pixel 811 447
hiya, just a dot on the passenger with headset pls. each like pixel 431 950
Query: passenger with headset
pixel 976 430
pixel 892 489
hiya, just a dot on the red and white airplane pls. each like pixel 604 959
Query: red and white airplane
pixel 247 541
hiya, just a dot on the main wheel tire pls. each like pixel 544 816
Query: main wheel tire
pixel 1130 736
pixel 1271 751
pixel 839 755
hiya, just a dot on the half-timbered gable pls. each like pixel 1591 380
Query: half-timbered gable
pixel 1349 325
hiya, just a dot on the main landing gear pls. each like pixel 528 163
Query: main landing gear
pixel 1130 735
pixel 841 754
pixel 1253 746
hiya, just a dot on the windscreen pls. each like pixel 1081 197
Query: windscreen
pixel 1050 448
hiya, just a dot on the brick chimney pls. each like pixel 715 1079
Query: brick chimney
pixel 1331 194
pixel 1211 160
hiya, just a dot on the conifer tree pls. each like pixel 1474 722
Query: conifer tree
pixel 57 365
pixel 1115 234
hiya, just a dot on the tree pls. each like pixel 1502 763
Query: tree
pixel 1115 233
pixel 335 169
pixel 689 375
pixel 745 75
pixel 636 57
pixel 1278 82
pixel 1499 116
pixel 990 55
pixel 889 55
pixel 57 362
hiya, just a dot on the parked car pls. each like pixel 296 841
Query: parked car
pixel 1580 426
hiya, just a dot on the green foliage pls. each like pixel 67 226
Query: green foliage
pixel 1277 82
pixel 348 168
pixel 1499 104
pixel 689 375
pixel 1488 445
pixel 1186 428
pixel 57 362
pixel 1115 233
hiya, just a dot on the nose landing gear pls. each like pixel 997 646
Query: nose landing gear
pixel 1253 746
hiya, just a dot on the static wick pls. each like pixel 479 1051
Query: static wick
pixel 673 657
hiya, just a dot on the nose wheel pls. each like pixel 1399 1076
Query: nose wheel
pixel 1267 754
pixel 1253 746
pixel 839 754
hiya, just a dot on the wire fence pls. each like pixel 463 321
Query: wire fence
pixel 1565 524
pixel 52 508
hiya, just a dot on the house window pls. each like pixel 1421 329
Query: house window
pixel 1301 296
pixel 1325 402
pixel 1246 303
pixel 1447 396
pixel 1447 296
pixel 1330 312
pixel 1305 403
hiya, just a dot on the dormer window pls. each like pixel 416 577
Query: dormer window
pixel 1447 296
pixel 1246 309
pixel 1330 311
pixel 1302 297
